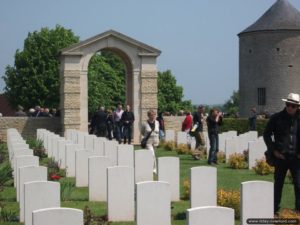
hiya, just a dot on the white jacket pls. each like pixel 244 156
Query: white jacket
pixel 154 137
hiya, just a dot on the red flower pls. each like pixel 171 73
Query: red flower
pixel 55 177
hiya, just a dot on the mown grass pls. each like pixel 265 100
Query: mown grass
pixel 228 179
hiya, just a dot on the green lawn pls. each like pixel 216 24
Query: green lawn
pixel 228 179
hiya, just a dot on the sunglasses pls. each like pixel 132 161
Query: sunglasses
pixel 291 105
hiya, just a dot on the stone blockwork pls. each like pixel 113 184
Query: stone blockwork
pixel 27 126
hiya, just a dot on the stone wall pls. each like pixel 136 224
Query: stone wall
pixel 173 122
pixel 27 126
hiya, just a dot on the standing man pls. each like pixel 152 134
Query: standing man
pixel 252 119
pixel 98 123
pixel 198 119
pixel 214 120
pixel 118 123
pixel 284 149
pixel 127 121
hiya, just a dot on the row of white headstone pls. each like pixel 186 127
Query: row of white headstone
pixel 153 198
pixel 39 199
pixel 229 142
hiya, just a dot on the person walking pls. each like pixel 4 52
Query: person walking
pixel 118 123
pixel 99 122
pixel 127 121
pixel 214 120
pixel 282 137
pixel 20 112
pixel 161 122
pixel 110 124
pixel 197 130
pixel 187 123
pixel 252 119
pixel 150 129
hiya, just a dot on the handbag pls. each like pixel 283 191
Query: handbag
pixel 145 139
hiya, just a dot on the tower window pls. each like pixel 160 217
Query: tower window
pixel 261 96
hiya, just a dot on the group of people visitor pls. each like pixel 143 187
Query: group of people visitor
pixel 117 124
pixel 37 112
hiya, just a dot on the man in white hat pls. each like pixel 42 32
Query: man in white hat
pixel 284 150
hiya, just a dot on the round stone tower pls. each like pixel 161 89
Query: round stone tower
pixel 270 59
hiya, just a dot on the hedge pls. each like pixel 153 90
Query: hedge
pixel 242 125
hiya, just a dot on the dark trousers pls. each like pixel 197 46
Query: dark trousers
pixel 281 168
pixel 127 133
pixel 109 131
pixel 214 148
pixel 118 132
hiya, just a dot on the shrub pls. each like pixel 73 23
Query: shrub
pixel 169 145
pixel 237 161
pixel 7 215
pixel 66 189
pixel 289 214
pixel 186 190
pixel 262 167
pixel 230 199
pixel 221 157
pixel 37 147
pixel 183 149
pixel 246 155
pixel 5 174
pixel 3 153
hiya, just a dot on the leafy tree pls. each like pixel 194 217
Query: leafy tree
pixel 34 78
pixel 170 95
pixel 231 106
pixel 106 81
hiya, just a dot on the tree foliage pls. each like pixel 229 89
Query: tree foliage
pixel 34 78
pixel 231 106
pixel 106 81
pixel 170 95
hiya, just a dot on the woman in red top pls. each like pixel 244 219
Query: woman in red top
pixel 187 123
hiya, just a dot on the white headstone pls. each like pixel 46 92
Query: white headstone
pixel 61 157
pixel 22 161
pixel 170 135
pixel 231 147
pixel 82 167
pixel 99 145
pixel 143 160
pixel 20 152
pixel 168 171
pixel 256 152
pixel 153 203
pixel 210 215
pixel 98 178
pixel 111 151
pixel 70 159
pixel 257 200
pixel 29 174
pixel 89 142
pixel 203 186
pixel 120 193
pixel 182 138
pixel 57 216
pixel 125 155
pixel 40 195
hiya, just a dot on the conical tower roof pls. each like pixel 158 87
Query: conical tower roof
pixel 281 16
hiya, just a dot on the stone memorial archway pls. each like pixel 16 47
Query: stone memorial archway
pixel 141 78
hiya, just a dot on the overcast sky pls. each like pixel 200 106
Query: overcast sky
pixel 198 38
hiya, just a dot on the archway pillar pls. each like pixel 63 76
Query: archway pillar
pixel 149 88
pixel 70 92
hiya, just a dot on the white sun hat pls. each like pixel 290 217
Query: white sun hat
pixel 293 99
